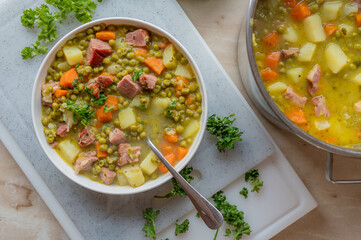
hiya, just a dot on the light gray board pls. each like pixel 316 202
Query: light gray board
pixel 98 215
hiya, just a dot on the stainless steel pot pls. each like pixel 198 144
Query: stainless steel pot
pixel 260 97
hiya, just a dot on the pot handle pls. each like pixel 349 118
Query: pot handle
pixel 329 171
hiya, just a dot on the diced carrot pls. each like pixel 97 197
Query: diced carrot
pixel 271 40
pixel 171 159
pixel 330 29
pixel 290 3
pixel 166 148
pixel 171 137
pixel 182 82
pixel 358 19
pixel 300 11
pixel 68 77
pixel 100 154
pixel 103 116
pixel 156 64
pixel 112 101
pixel 358 133
pixel 297 116
pixel 268 75
pixel 141 52
pixel 190 100
pixel 105 74
pixel 105 35
pixel 330 140
pixel 59 93
pixel 272 60
pixel 181 152
pixel 163 45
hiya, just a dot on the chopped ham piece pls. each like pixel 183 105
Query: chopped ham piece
pixel 107 176
pixel 314 77
pixel 104 81
pixel 96 51
pixel 148 81
pixel 138 38
pixel 85 137
pixel 290 52
pixel 320 106
pixel 128 154
pixel 93 85
pixel 128 87
pixel 62 129
pixel 298 100
pixel 47 97
pixel 84 161
pixel 357 106
pixel 117 137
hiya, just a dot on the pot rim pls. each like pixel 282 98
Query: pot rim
pixel 348 152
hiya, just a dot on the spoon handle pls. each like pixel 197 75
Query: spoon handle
pixel 210 215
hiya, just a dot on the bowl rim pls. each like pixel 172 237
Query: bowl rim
pixel 62 166
pixel 344 151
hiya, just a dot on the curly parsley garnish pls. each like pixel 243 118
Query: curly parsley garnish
pixel 136 75
pixel 99 101
pixel 82 112
pixel 149 226
pixel 252 176
pixel 107 109
pixel 232 216
pixel 173 104
pixel 226 133
pixel 181 228
pixel 47 21
pixel 244 192
pixel 177 189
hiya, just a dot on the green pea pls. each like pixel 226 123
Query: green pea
pixel 107 60
pixel 133 127
pixel 155 47
pixel 45 121
pixel 179 129
pixel 154 175
pixel 189 140
pixel 133 62
pixel 146 70
pixel 196 115
pixel 199 110
pixel 183 143
pixel 185 91
pixel 95 70
pixel 55 105
pixel 80 87
pixel 183 60
pixel 60 53
pixel 80 35
pixel 111 28
pixel 111 167
pixel 181 99
pixel 166 82
pixel 163 94
pixel 111 42
pixel 103 147
pixel 108 130
pixel 90 36
pixel 49 77
pixel 50 139
pixel 73 97
pixel 102 162
pixel 129 69
pixel 143 135
pixel 63 99
pixel 114 57
pixel 49 89
pixel 110 150
pixel 46 131
pixel 130 55
pixel 158 54
pixel 140 128
pixel 198 97
pixel 116 123
pixel 125 103
pixel 69 43
pixel 192 87
pixel 102 140
pixel 89 31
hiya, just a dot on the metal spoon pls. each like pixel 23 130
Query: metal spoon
pixel 210 215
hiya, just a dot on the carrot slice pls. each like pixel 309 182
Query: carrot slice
pixel 272 60
pixel 141 52
pixel 100 154
pixel 297 116
pixel 271 40
pixel 105 35
pixel 182 82
pixel 68 77
pixel 300 11
pixel 156 64
pixel 290 3
pixel 330 29
pixel 268 75
pixel 105 74
pixel 171 137
pixel 59 93
pixel 166 148
pixel 171 159
pixel 190 100
pixel 358 19
pixel 181 152
pixel 163 45
pixel 103 116
pixel 112 101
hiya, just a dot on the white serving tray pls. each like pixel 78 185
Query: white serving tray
pixel 112 216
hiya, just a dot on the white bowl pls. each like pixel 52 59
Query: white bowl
pixel 60 163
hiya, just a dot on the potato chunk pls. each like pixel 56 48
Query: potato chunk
pixel 314 29
pixel 169 60
pixel 133 174
pixel 191 129
pixel 149 164
pixel 122 180
pixel 126 118
pixel 69 150
pixel 357 79
pixel 277 87
pixel 159 105
pixel 335 57
pixel 291 35
pixel 73 55
pixel 183 70
pixel 295 74
pixel 306 52
pixel 329 10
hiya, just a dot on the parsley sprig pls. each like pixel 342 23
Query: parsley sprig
pixel 136 75
pixel 149 227
pixel 47 21
pixel 82 112
pixel 107 108
pixel 177 189
pixel 226 133
pixel 252 176
pixel 232 216
pixel 181 228
pixel 244 192
pixel 99 101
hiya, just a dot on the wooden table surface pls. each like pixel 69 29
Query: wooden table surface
pixel 23 215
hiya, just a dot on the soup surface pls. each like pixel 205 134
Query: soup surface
pixel 308 54
pixel 108 89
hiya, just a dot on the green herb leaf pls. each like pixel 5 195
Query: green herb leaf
pixel 107 109
pixel 82 112
pixel 177 189
pixel 99 101
pixel 149 226
pixel 142 107
pixel 173 103
pixel 169 113
pixel 28 18
pixel 75 82
pixel 232 216
pixel 181 228
pixel 244 192
pixel 226 133
pixel 136 75
pixel 257 184
pixel 197 215
pixel 252 176
pixel 35 50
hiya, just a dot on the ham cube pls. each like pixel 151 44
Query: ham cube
pixel 128 87
pixel 128 154
pixel 138 38
pixel 85 137
pixel 96 52
pixel 148 81
pixel 84 161
pixel 117 137
pixel 107 176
